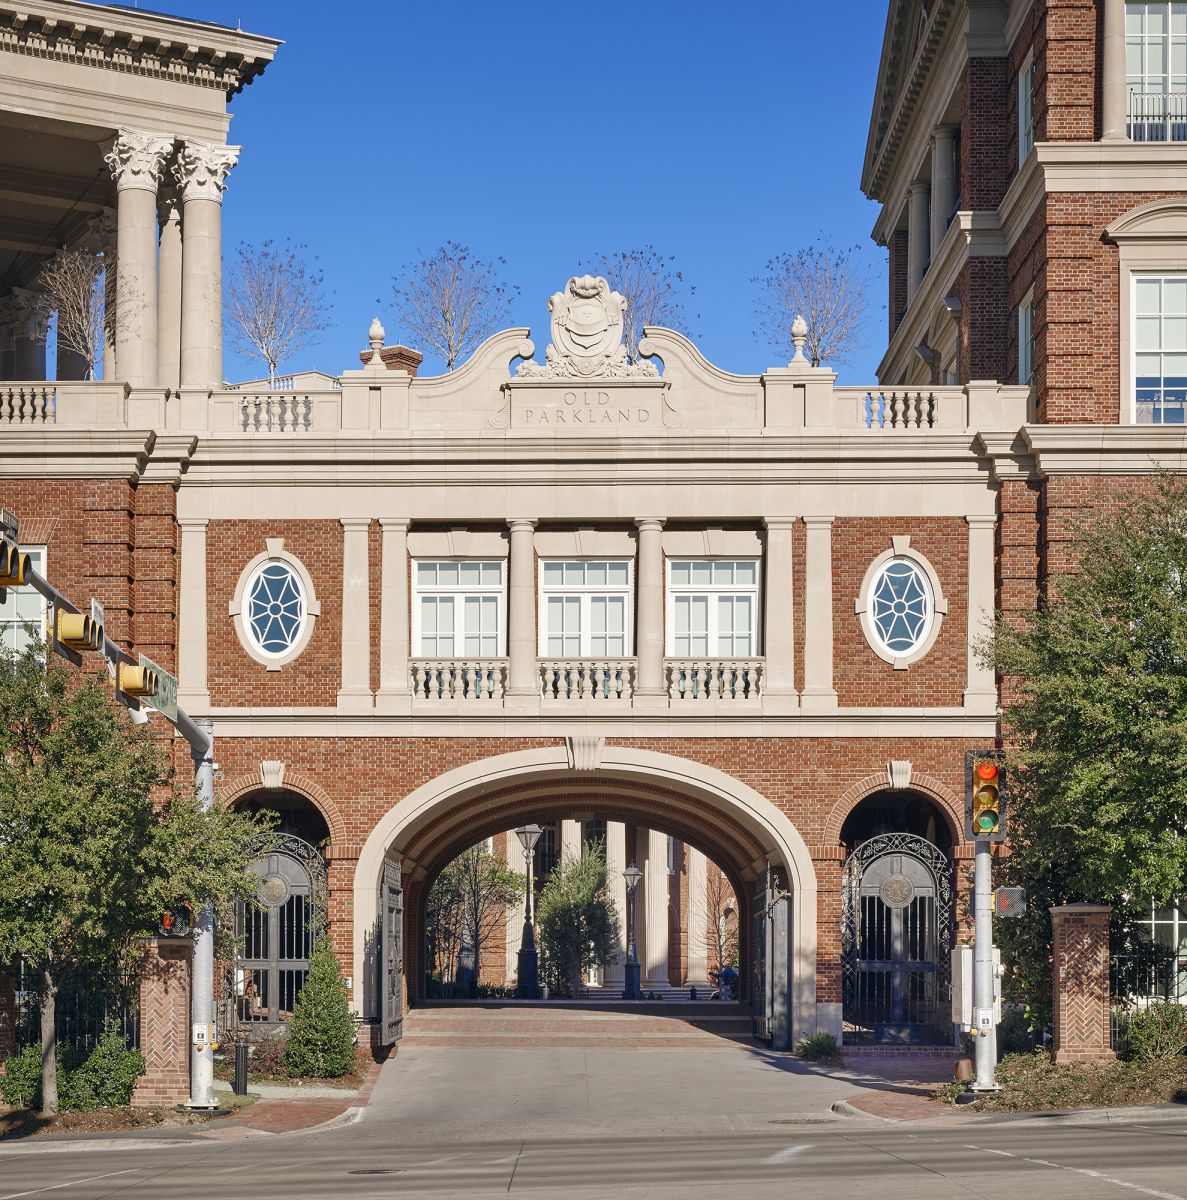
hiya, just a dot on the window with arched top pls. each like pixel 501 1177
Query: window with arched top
pixel 901 605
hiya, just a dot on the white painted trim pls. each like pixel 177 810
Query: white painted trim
pixel 901 548
pixel 274 551
pixel 782 841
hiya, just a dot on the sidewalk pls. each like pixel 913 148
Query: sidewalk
pixel 909 1081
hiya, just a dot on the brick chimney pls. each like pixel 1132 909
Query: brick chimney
pixel 396 358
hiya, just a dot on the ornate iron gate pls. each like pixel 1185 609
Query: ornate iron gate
pixel 392 974
pixel 897 938
pixel 276 938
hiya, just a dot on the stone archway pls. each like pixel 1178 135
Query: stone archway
pixel 706 807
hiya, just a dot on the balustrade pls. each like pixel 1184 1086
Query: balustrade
pixel 28 404
pixel 276 412
pixel 691 679
pixel 458 678
pixel 899 410
pixel 587 678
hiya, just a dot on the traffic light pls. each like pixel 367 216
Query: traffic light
pixel 135 681
pixel 77 630
pixel 14 565
pixel 985 793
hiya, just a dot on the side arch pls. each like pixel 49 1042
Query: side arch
pixel 951 808
pixel 473 784
pixel 303 785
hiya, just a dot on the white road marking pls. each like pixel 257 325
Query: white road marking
pixel 72 1183
pixel 786 1153
pixel 1042 1162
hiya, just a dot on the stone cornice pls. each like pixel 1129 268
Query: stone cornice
pixel 1106 449
pixel 1112 166
pixel 136 42
pixel 75 454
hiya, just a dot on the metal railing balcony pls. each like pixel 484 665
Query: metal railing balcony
pixel 704 679
pixel 474 679
pixel 1157 117
pixel 587 678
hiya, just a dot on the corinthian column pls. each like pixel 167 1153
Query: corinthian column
pixel 136 160
pixel 201 172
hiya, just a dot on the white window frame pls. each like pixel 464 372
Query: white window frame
pixel 1026 107
pixel 587 592
pixel 1137 278
pixel 38 557
pixel 459 592
pixel 711 590
pixel 1026 339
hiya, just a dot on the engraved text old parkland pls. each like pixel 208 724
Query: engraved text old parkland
pixel 590 408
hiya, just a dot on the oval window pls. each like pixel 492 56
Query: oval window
pixel 901 606
pixel 275 607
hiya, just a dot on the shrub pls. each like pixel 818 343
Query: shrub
pixel 21 1085
pixel 1155 1033
pixel 321 1036
pixel 101 1078
pixel 1014 1034
pixel 268 1053
pixel 820 1047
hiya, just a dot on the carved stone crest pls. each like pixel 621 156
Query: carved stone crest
pixel 586 336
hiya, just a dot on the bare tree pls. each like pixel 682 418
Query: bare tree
pixel 824 285
pixel 722 906
pixel 277 303
pixel 654 289
pixel 450 301
pixel 74 283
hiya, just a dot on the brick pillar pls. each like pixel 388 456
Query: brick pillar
pixel 1080 962
pixel 165 1022
pixel 7 1015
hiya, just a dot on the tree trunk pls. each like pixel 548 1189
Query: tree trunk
pixel 49 1044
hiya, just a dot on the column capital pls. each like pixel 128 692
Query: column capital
pixel 202 168
pixel 137 159
pixel 396 524
pixel 981 520
pixel 944 132
pixel 193 522
pixel 655 523
pixel 783 523
pixel 918 186
pixel 30 312
pixel 819 522
pixel 522 523
pixel 355 522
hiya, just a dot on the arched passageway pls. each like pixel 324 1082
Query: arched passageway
pixel 752 840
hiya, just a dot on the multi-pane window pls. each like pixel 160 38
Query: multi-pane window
pixel 1167 927
pixel 1026 109
pixel 22 615
pixel 594 832
pixel 458 609
pixel 586 609
pixel 1160 349
pixel 713 607
pixel 1026 338
pixel 1156 70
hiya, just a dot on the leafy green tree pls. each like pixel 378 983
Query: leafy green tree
pixel 576 921
pixel 321 1033
pixel 91 856
pixel 1095 713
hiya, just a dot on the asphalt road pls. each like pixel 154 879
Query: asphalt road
pixel 848 1159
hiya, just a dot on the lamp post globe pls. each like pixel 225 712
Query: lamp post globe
pixel 631 989
pixel 528 986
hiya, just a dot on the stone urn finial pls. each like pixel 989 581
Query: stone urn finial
pixel 375 335
pixel 799 335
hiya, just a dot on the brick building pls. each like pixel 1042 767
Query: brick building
pixel 722 619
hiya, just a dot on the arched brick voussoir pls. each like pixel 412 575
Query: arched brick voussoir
pixel 950 806
pixel 244 785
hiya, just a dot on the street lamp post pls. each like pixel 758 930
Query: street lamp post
pixel 529 977
pixel 631 989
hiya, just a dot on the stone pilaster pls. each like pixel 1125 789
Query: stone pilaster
pixel 355 692
pixel 395 689
pixel 193 690
pixel 649 634
pixel 819 692
pixel 1113 72
pixel 697 973
pixel 981 689
pixel 616 863
pixel 1080 981
pixel 656 883
pixel 918 237
pixel 523 677
pixel 779 634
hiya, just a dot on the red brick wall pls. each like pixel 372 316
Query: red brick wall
pixel 984 165
pixel 898 278
pixel 235 678
pixel 1066 45
pixel 862 678
pixel 980 288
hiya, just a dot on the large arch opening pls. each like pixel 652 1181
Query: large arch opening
pixel 752 841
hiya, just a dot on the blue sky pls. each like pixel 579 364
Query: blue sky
pixel 545 133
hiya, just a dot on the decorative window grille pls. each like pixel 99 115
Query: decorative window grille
pixel 1160 349
pixel 713 608
pixel 276 608
pixel 458 609
pixel 586 609
pixel 901 606
pixel 23 613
